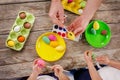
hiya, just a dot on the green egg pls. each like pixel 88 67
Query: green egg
pixel 46 40
pixel 93 31
pixel 83 4
pixel 93 56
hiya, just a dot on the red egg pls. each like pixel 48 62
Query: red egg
pixel 104 32
pixel 69 1
pixel 27 25
pixel 22 15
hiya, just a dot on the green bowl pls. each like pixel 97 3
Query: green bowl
pixel 98 40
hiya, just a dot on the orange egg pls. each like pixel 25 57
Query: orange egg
pixel 21 38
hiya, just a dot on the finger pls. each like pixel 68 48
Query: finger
pixel 56 21
pixel 35 61
pixel 78 30
pixel 71 27
pixel 61 16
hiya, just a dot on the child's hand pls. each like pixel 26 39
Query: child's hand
pixel 88 56
pixel 79 25
pixel 36 69
pixel 58 70
pixel 57 12
pixel 103 60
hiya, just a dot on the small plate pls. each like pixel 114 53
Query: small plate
pixel 98 40
pixel 46 52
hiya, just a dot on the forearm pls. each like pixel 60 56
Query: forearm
pixel 114 64
pixel 33 77
pixel 62 76
pixel 91 8
pixel 93 73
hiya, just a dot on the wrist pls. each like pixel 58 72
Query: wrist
pixel 89 63
pixel 35 74
pixel 60 75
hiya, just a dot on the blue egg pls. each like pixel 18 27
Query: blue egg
pixel 93 31
pixel 46 39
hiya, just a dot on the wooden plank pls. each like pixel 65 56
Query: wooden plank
pixel 23 1
pixel 77 61
pixel 41 8
pixel 38 8
pixel 35 34
pixel 44 22
pixel 108 16
pixel 28 53
pixel 3 2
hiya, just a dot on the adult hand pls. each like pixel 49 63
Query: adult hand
pixel 103 60
pixel 56 12
pixel 88 57
pixel 79 25
pixel 58 70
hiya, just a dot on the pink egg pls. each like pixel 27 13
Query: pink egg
pixel 69 1
pixel 52 37
pixel 41 63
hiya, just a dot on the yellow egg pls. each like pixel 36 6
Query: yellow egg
pixel 10 43
pixel 60 48
pixel 96 25
pixel 71 35
pixel 54 44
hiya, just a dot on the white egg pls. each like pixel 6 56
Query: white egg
pixel 17 28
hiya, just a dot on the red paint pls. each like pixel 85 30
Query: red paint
pixel 59 33
pixel 63 34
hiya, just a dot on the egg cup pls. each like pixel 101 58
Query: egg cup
pixel 20 30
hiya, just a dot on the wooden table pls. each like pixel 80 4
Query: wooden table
pixel 19 64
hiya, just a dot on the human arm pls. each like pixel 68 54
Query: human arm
pixel 79 25
pixel 36 71
pixel 105 60
pixel 93 73
pixel 58 70
pixel 56 12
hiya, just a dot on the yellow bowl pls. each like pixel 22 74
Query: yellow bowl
pixel 46 52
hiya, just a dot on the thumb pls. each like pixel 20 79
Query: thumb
pixel 78 30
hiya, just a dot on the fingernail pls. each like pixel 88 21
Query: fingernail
pixel 62 21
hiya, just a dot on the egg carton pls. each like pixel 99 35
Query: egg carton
pixel 64 33
pixel 20 30
pixel 75 6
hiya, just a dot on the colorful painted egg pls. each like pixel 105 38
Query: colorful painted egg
pixel 10 43
pixel 104 32
pixel 21 38
pixel 54 44
pixel 69 1
pixel 96 25
pixel 93 31
pixel 52 37
pixel 22 15
pixel 83 4
pixel 46 40
pixel 60 48
pixel 80 11
pixel 16 28
pixel 41 63
pixel 27 25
